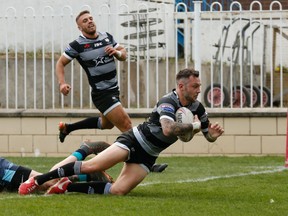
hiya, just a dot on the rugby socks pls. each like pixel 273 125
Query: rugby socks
pixel 86 149
pixel 90 187
pixel 88 123
pixel 83 178
pixel 66 170
pixel 80 154
pixel 89 148
pixel 94 147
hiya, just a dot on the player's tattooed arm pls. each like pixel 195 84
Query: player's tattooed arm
pixel 171 128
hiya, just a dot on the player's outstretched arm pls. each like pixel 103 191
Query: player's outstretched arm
pixel 214 131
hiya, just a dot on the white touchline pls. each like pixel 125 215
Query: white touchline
pixel 278 169
pixel 13 196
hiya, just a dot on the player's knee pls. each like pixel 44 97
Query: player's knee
pixel 118 191
pixel 88 168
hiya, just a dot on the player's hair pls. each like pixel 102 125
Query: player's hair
pixel 81 13
pixel 186 73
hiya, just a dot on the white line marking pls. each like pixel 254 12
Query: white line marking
pixel 278 169
pixel 18 196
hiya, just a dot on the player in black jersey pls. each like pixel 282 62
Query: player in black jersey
pixel 95 51
pixel 140 146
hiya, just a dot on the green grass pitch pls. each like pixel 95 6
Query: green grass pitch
pixel 189 186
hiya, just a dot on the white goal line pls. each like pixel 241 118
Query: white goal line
pixel 210 178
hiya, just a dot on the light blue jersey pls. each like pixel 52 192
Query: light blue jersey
pixel 7 171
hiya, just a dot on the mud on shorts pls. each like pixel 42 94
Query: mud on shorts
pixel 137 154
pixel 106 100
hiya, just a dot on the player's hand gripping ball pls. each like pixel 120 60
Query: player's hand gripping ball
pixel 184 115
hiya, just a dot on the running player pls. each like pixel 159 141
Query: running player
pixel 95 51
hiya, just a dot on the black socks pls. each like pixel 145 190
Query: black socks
pixel 88 123
pixel 66 170
pixel 88 187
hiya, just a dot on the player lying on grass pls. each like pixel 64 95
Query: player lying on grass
pixel 12 175
pixel 139 147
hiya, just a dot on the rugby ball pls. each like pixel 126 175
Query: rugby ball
pixel 184 115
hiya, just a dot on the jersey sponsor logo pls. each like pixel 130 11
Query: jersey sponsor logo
pixel 86 46
pixel 167 108
pixel 98 44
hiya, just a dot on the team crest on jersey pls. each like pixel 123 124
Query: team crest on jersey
pixel 107 40
pixel 99 60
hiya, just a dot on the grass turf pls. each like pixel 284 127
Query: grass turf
pixel 189 186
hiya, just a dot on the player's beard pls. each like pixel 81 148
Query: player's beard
pixel 190 97
pixel 91 31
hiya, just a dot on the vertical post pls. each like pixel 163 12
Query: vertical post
pixel 286 160
pixel 196 37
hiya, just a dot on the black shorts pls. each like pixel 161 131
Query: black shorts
pixel 137 153
pixel 22 174
pixel 106 100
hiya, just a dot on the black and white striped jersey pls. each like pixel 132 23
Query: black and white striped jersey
pixel 98 65
pixel 151 132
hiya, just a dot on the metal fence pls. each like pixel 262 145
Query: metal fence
pixel 242 55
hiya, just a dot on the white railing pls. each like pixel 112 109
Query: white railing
pixel 249 59
pixel 240 54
